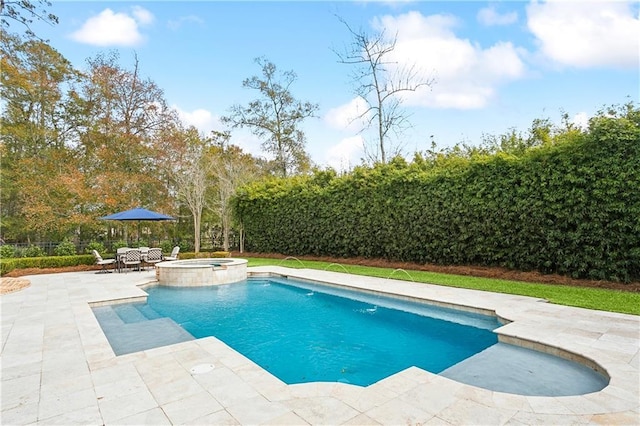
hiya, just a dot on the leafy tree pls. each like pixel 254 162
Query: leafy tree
pixel 276 117
pixel 96 137
pixel 36 135
pixel 35 86
pixel 59 203
pixel 24 12
pixel 380 88
pixel 125 116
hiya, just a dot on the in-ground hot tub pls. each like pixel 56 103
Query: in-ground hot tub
pixel 201 272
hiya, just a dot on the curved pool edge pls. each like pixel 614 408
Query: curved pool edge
pixel 538 331
pixel 201 272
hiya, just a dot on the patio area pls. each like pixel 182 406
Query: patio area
pixel 58 368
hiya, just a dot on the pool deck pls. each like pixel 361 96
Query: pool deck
pixel 57 366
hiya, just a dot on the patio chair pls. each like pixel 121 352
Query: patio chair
pixel 143 254
pixel 132 258
pixel 154 255
pixel 174 254
pixel 120 256
pixel 103 262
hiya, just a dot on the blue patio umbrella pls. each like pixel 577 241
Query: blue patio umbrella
pixel 138 214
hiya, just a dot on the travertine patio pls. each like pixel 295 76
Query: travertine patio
pixel 58 367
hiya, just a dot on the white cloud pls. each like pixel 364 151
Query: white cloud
pixel 175 24
pixel 205 122
pixel 142 15
pixel 114 29
pixel 587 34
pixel 466 75
pixel 346 117
pixel 346 154
pixel 249 143
pixel 490 16
pixel 581 120
pixel 200 118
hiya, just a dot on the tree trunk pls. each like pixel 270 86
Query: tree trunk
pixel 196 231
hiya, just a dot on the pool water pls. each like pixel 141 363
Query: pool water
pixel 303 332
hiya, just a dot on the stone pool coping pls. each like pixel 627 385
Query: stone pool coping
pixel 57 366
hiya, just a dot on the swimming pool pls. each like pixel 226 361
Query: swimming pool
pixel 303 332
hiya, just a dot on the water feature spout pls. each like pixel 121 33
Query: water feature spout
pixel 401 270
pixel 291 258
pixel 337 264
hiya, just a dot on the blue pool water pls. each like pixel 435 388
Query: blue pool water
pixel 302 332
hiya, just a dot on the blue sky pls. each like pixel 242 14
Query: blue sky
pixel 495 65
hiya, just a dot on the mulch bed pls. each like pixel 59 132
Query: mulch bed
pixel 476 271
pixel 9 285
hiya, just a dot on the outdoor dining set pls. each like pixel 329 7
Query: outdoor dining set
pixel 128 258
pixel 138 258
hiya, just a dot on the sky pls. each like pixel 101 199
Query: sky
pixel 494 66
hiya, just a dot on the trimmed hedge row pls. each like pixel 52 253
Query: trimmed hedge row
pixel 571 208
pixel 8 265
pixel 202 254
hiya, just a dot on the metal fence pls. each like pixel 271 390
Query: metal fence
pixel 48 247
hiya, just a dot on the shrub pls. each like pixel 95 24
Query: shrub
pixel 141 243
pixel 65 248
pixel 95 245
pixel 33 251
pixel 7 251
pixel 166 246
pixel 119 244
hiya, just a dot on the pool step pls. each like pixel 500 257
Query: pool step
pixel 513 369
pixel 129 314
pixel 133 313
pixel 128 330
pixel 147 311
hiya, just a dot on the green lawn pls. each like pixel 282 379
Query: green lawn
pixel 590 298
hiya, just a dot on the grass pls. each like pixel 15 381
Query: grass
pixel 582 297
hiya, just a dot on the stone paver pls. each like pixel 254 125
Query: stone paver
pixel 58 368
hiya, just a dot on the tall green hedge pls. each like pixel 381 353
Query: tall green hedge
pixel 571 207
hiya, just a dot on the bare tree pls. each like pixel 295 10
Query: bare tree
pixel 231 169
pixel 380 88
pixel 192 180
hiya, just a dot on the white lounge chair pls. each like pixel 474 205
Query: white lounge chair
pixel 103 262
pixel 174 254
